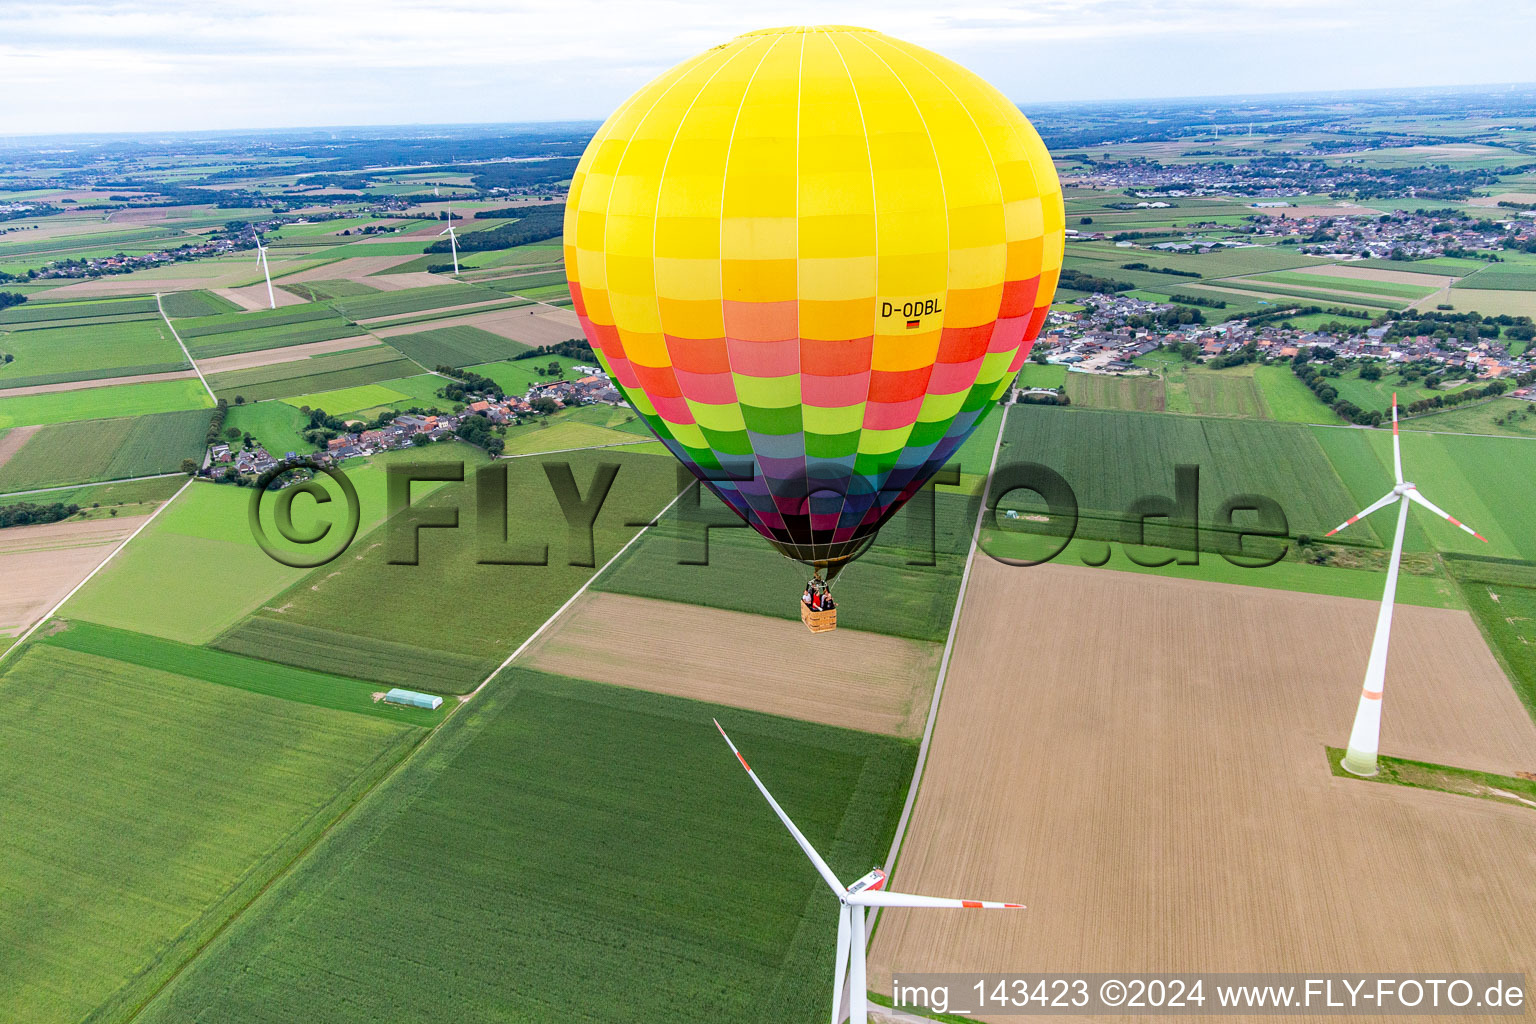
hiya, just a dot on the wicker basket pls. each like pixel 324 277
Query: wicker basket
pixel 818 622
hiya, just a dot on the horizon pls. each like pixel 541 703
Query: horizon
pixel 147 66
pixel 11 139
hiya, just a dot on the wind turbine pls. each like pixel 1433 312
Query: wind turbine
pixel 453 241
pixel 1365 737
pixel 261 257
pixel 868 891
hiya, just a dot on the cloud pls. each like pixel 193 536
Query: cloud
pixel 163 64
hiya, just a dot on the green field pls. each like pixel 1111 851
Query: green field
pixel 191 796
pixel 81 309
pixel 104 403
pixel 197 303
pixel 203 567
pixel 259 339
pixel 330 372
pixel 1103 391
pixel 1282 461
pixel 319 291
pixel 226 669
pixel 1510 416
pixel 1288 399
pixel 228 323
pixel 456 346
pixel 411 300
pixel 80 452
pixel 517 376
pixel 1377 394
pixel 348 400
pixel 543 435
pixel 1320 298
pixel 133 495
pixel 521 799
pixel 1037 375
pixel 277 426
pixel 1349 284
pixel 450 620
pixel 1510 276
pixel 1507 616
pixel 89 352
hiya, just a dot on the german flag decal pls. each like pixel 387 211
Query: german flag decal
pixel 913 323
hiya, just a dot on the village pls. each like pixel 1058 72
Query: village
pixel 1105 336
pixel 230 462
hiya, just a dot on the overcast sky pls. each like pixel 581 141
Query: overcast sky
pixel 128 65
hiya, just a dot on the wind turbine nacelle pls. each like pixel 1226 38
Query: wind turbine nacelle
pixel 874 880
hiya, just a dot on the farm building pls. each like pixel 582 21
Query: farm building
pixel 410 698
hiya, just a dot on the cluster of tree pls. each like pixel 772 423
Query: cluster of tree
pixel 1178 316
pixel 1492 389
pixel 1468 327
pixel 216 422
pixel 1041 398
pixel 1079 281
pixel 1516 206
pixel 1160 270
pixel 466 384
pixel 478 431
pixel 1132 236
pixel 1249 353
pixel 1197 300
pixel 575 348
pixel 1317 380
pixel 537 224
pixel 9 299
pixel 1282 316
pixel 26 513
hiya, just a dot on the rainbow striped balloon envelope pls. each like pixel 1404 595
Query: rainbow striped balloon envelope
pixel 813 259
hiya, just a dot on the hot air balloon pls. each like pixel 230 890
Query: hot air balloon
pixel 813 258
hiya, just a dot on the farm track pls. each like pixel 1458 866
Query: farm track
pixel 160 306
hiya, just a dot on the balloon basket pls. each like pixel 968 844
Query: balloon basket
pixel 818 622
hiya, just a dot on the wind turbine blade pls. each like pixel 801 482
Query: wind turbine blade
pixel 1443 514
pixel 1390 497
pixel 881 898
pixel 838 888
pixel 1397 448
pixel 844 928
pixel 445 230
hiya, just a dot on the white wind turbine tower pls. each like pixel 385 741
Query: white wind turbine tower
pixel 1365 737
pixel 453 241
pixel 261 257
pixel 868 891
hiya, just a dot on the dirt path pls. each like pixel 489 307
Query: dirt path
pixel 104 382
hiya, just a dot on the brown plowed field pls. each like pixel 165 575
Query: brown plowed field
pixel 40 564
pixel 1140 760
pixel 272 356
pixel 858 680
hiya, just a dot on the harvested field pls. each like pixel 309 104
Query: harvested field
pixel 272 356
pixel 1372 274
pixel 531 325
pixel 349 269
pixel 81 385
pixel 1156 789
pixel 40 564
pixel 12 440
pixel 255 296
pixel 402 282
pixel 863 681
pixel 139 284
